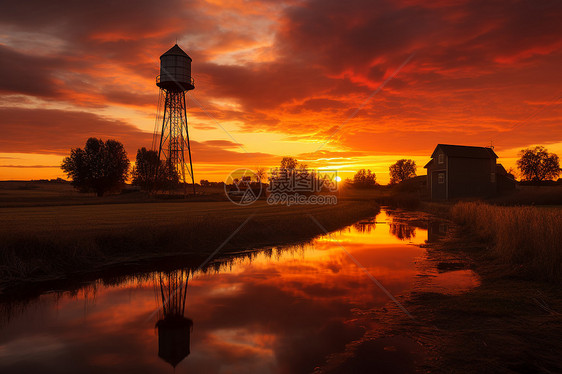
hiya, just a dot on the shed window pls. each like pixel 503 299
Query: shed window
pixel 493 177
pixel 441 158
pixel 441 178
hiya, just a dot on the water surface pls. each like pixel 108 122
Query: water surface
pixel 298 309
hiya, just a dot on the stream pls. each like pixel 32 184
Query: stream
pixel 294 309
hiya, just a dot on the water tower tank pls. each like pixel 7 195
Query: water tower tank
pixel 175 70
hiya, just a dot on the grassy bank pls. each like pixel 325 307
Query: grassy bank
pixel 531 195
pixel 44 243
pixel 527 237
pixel 507 324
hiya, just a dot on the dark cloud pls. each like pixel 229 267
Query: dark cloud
pixel 73 19
pixel 46 131
pixel 25 74
pixel 56 131
pixel 213 151
pixel 130 97
pixel 268 85
pixel 318 105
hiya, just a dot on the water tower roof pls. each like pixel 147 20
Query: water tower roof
pixel 176 51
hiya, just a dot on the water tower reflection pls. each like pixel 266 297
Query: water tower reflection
pixel 174 329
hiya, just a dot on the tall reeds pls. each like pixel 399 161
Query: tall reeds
pixel 527 236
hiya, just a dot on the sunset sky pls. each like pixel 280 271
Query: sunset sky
pixel 282 78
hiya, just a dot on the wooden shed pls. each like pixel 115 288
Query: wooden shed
pixel 458 171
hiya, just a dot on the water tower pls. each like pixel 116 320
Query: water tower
pixel 173 141
pixel 174 329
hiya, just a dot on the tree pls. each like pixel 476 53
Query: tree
pixel 364 178
pixel 261 174
pixel 147 165
pixel 401 170
pixel 99 167
pixel 536 164
pixel 289 163
pixel 144 173
pixel 292 176
pixel 168 177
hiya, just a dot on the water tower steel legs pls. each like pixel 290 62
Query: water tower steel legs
pixel 188 146
pixel 174 136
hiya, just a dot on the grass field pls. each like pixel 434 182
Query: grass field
pixel 94 219
pixel 529 237
pixel 38 193
pixel 41 242
pixel 531 195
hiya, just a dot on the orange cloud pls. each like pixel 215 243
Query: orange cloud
pixel 297 69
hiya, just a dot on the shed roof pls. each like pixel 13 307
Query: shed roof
pixel 500 169
pixel 176 51
pixel 465 151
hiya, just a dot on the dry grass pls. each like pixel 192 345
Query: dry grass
pixel 528 237
pixel 41 243
pixel 531 195
pixel 507 324
pixel 37 193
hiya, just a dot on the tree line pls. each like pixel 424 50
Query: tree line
pixel 103 167
pixel 400 171
pixel 534 164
